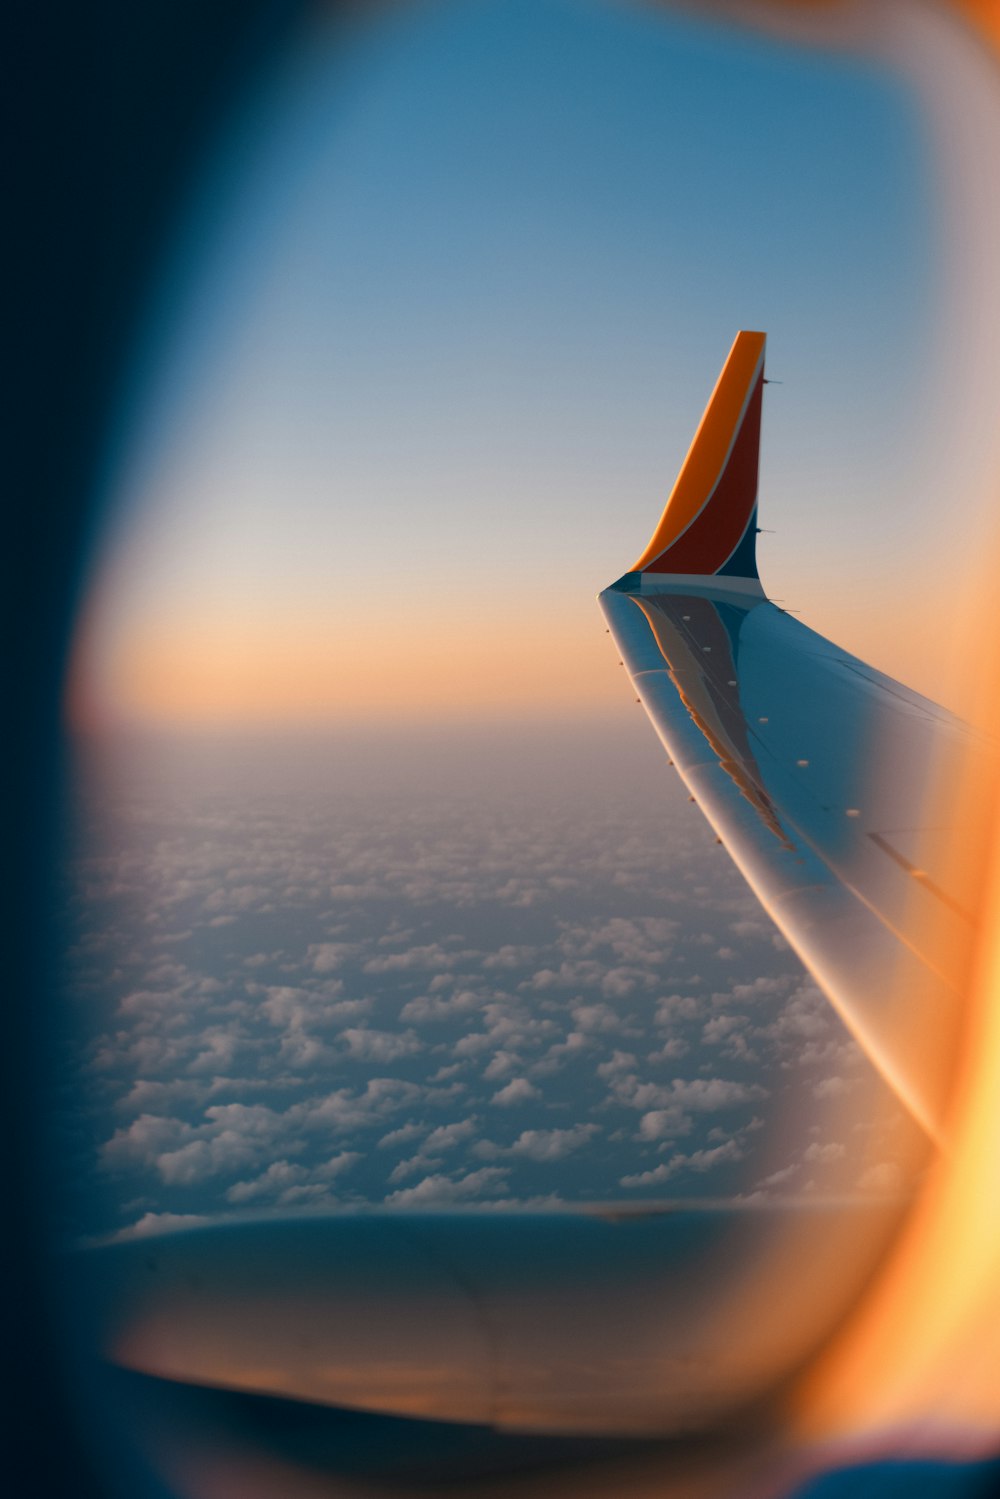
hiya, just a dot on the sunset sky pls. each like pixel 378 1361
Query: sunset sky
pixel 434 338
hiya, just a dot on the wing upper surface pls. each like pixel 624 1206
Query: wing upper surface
pixel 822 777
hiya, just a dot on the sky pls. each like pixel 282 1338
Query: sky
pixel 434 338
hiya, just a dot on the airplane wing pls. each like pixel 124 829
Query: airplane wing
pixel 843 797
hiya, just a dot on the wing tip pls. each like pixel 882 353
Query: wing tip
pixel 709 523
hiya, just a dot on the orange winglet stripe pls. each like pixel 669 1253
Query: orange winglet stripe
pixel 731 403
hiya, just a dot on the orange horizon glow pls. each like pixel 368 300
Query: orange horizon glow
pixel 396 664
pixel 411 658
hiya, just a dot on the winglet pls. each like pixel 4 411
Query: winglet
pixel 709 524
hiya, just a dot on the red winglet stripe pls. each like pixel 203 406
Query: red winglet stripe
pixel 716 531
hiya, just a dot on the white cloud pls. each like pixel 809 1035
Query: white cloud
pixel 644 941
pixel 473 1044
pixel 396 935
pixel 777 1178
pixel 509 957
pixel 271 1183
pixel 832 1087
pixel 337 1164
pixel 345 1109
pixel 441 1191
pixel 510 1024
pixel 670 1051
pixel 241 898
pixel 303 1052
pixel 139 1143
pixel 325 957
pixel 501 1066
pixel 541 1144
pixel 674 1007
pixel 618 1063
pixel 161 1223
pixel 235 1135
pixel 698 1160
pixel 221 1047
pixel 721 1026
pixel 295 1009
pixel 569 975
pixel 618 983
pixel 432 956
pixel 443 1074
pixel 447 1136
pixel 806 1016
pixel 664 1124
pixel 427 1008
pixel 428 1158
pixel 380 1046
pixel 356 892
pixel 763 987
pixel 146 1095
pixel 561 1051
pixel 748 928
pixel 145 1002
pixel 648 1178
pixel 413 1167
pixel 518 1090
pixel 824 1154
pixel 401 1136
pixel 596 1018
pixel 700 1094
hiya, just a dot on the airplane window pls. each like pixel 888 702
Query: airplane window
pixel 434 1101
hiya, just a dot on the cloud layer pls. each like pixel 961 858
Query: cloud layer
pixel 298 999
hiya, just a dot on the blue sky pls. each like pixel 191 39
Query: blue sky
pixel 455 294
